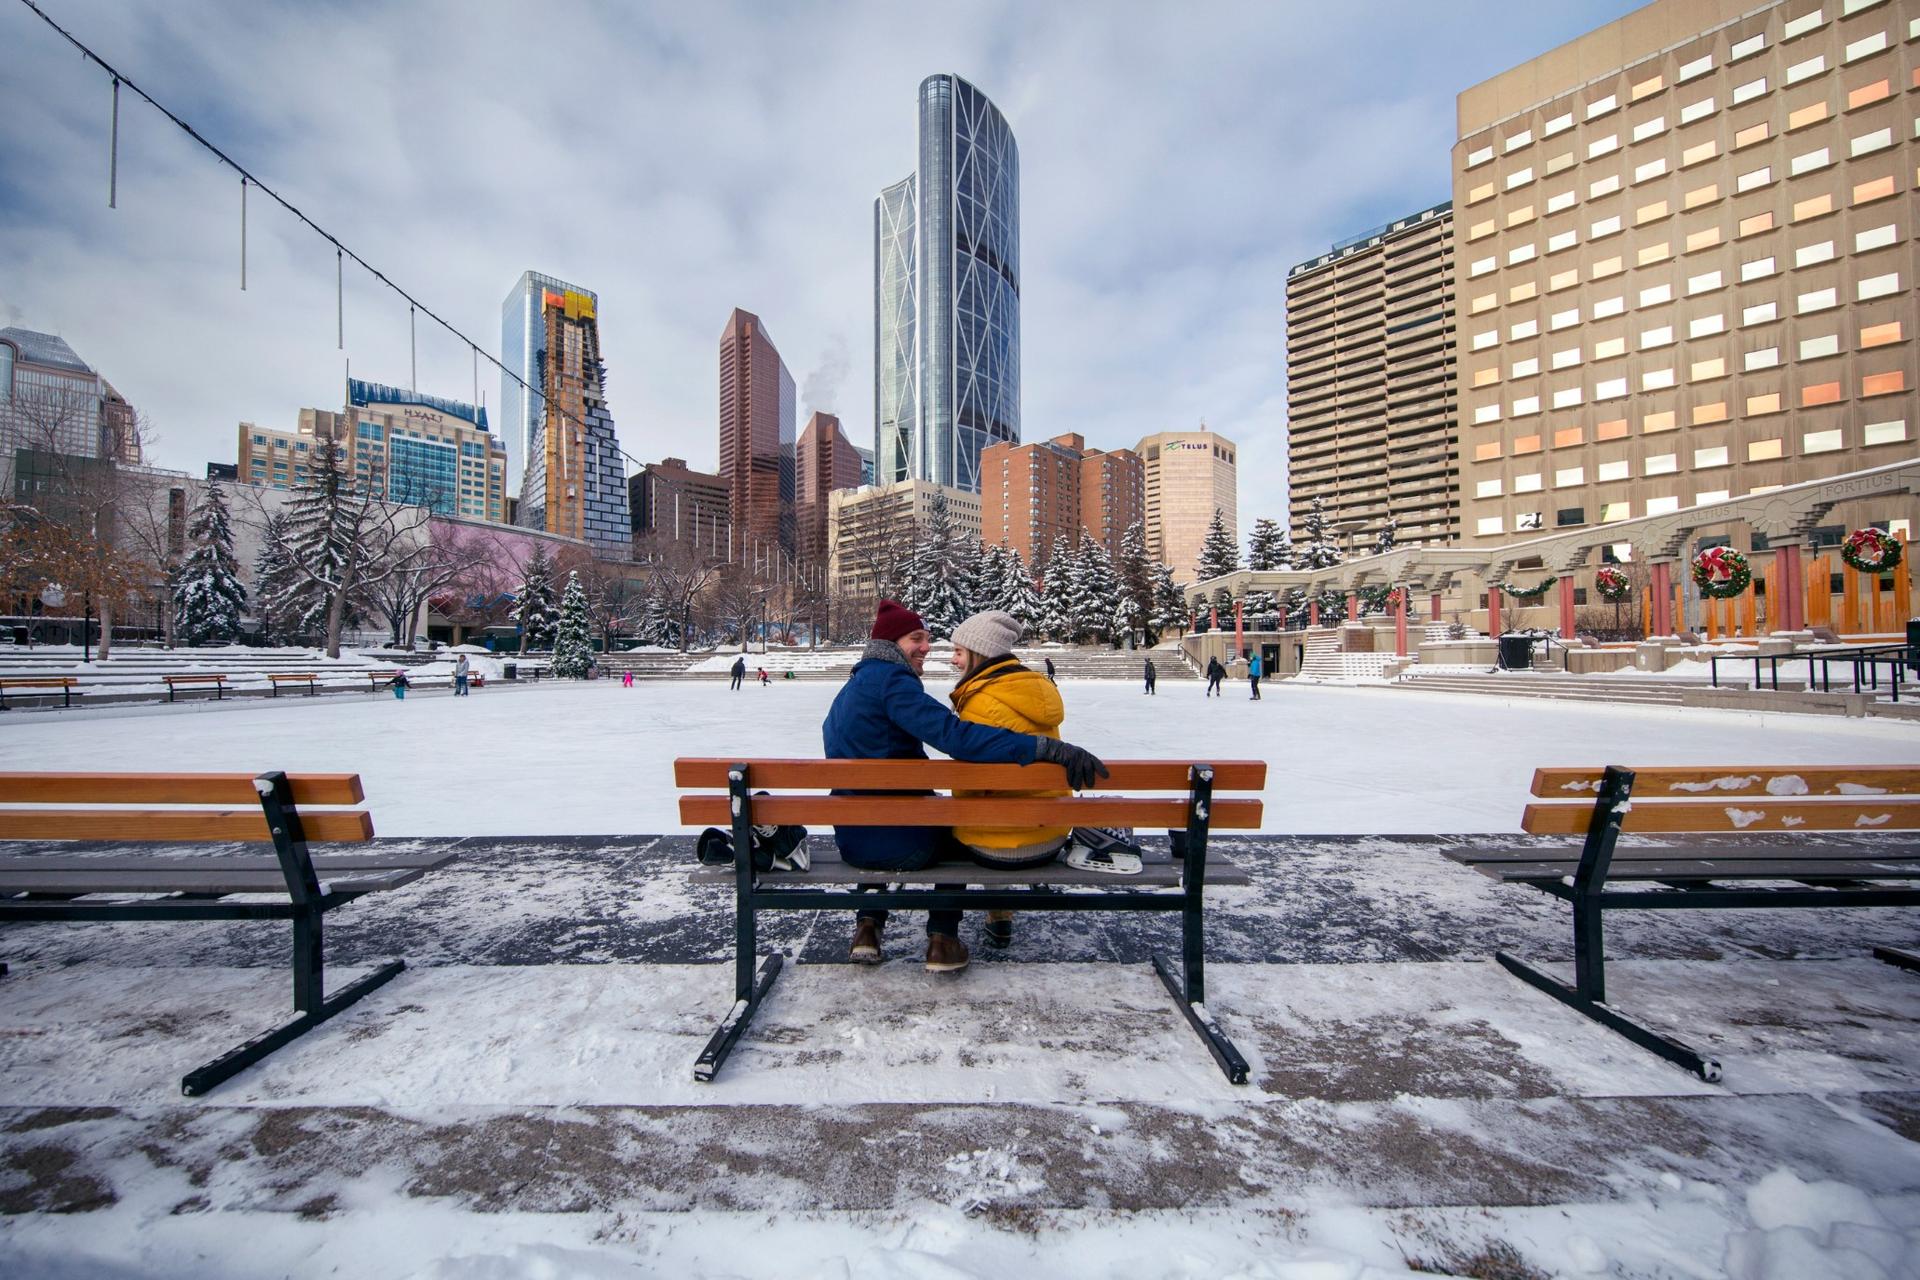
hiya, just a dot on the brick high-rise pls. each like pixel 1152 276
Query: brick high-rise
pixel 757 406
pixel 827 461
pixel 1033 493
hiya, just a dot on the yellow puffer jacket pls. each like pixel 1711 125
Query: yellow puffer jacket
pixel 1007 695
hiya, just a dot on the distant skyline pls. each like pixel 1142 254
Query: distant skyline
pixel 1172 170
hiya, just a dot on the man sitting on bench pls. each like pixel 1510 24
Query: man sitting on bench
pixel 883 712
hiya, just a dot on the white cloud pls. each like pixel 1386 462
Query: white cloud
pixel 682 160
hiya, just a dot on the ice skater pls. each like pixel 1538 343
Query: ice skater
pixel 1215 674
pixel 626 679
pixel 1253 674
pixel 739 671
pixel 399 684
pixel 462 670
pixel 1152 675
pixel 765 680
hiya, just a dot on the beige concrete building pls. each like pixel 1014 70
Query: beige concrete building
pixel 1685 263
pixel 869 529
pixel 1370 382
pixel 405 448
pixel 1188 474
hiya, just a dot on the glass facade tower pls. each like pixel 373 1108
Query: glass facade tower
pixel 947 294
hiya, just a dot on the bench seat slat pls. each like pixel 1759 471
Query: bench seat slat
pixel 946 811
pixel 1892 852
pixel 945 775
pixel 178 825
pixel 1713 782
pixel 323 864
pixel 1711 869
pixel 1851 813
pixel 171 788
pixel 163 879
pixel 1152 875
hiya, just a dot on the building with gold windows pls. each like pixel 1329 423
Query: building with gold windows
pixel 1189 475
pixel 1684 254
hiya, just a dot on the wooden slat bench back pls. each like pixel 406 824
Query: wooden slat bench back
pixel 211 678
pixel 39 682
pixel 111 812
pixel 1773 799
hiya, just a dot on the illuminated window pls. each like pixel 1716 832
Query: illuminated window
pixel 1808 161
pixel 1756 269
pixel 1606 267
pixel 1567 477
pixel 1762 450
pixel 1608 307
pixel 1521 253
pixel 1807 255
pixel 1879 335
pixel 1487 488
pixel 1865 46
pixel 1478 157
pixel 1479 193
pixel 1820 441
pixel 1654 423
pixel 1815 207
pixel 1486 377
pixel 1878 286
pixel 1759 405
pixel 1747 47
pixel 1703 283
pixel 1650 212
pixel 1878 189
pixel 1529 483
pixel 1645 87
pixel 1481 230
pixel 1519 140
pixel 1524 368
pixel 1805 116
pixel 1567 398
pixel 1754 178
pixel 1874 238
pixel 1651 169
pixel 1751 134
pixel 1611 389
pixel 1490 524
pixel 1804 23
pixel 1486 413
pixel 1706 413
pixel 1698 67
pixel 1571 356
pixel 1561 319
pixel 1818 347
pixel 1696 154
pixel 1867 94
pixel 1756 224
pixel 1660 464
pixel 1705 370
pixel 1819 393
pixel 1654 295
pixel 1604 227
pixel 1612 429
pixel 1660 337
pixel 1656 379
pixel 1805 70
pixel 1816 300
pixel 1613 511
pixel 1702 195
pixel 1705 239
pixel 1602 106
pixel 1617 470
pixel 1712 456
pixel 1749 91
pixel 1880 384
pixel 1487 451
pixel 1765 358
pixel 1526 406
pixel 1562 240
pixel 1526 444
pixel 1569 437
pixel 1607 348
pixel 1759 313
pixel 1519 178
pixel 1520 216
pixel 1605 187
pixel 1653 253
pixel 1559 124
pixel 1562 201
pixel 1525 329
pixel 1883 432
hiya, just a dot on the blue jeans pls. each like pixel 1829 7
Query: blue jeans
pixel 934 844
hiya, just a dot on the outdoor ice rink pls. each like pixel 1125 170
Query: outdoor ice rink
pixel 596 759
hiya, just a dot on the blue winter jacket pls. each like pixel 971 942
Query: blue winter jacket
pixel 885 713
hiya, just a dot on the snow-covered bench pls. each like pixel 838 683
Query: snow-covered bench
pixel 285 811
pixel 1779 859
pixel 1171 881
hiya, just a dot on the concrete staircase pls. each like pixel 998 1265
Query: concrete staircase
pixel 652 665
pixel 1323 659
pixel 1640 691
pixel 1102 663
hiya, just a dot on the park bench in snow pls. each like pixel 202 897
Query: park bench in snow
pixel 1168 882
pixel 218 681
pixel 309 678
pixel 68 686
pixel 274 808
pixel 1773 808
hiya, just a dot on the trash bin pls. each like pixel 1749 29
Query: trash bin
pixel 510 671
pixel 1516 652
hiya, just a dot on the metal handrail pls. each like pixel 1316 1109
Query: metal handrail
pixel 1865 659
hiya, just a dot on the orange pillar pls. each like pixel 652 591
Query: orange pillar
pixel 1849 600
pixel 1712 608
pixel 1239 627
pixel 1876 622
pixel 1749 603
pixel 1566 606
pixel 1903 590
pixel 1820 594
pixel 1400 622
pixel 1659 596
pixel 1493 610
pixel 1213 617
pixel 1353 607
pixel 1433 607
pixel 1679 606
pixel 1646 612
pixel 1313 613
pixel 1783 590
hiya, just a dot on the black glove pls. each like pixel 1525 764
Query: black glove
pixel 1082 766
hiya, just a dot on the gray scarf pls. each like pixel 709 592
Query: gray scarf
pixel 884 651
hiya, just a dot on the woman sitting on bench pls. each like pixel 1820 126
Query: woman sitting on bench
pixel 996 689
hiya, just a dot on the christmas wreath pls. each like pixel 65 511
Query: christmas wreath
pixel 1871 551
pixel 1721 573
pixel 1612 585
pixel 1529 593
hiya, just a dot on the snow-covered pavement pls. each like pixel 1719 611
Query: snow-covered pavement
pixel 596 758
pixel 519 1101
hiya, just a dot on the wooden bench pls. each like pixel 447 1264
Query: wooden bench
pixel 285 811
pixel 1774 809
pixel 219 683
pixel 68 686
pixel 1170 883
pixel 309 678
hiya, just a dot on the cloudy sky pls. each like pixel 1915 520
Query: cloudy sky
pixel 682 159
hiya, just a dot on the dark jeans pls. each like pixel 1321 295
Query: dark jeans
pixel 1255 682
pixel 944 848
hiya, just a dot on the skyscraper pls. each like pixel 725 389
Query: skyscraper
pixel 757 407
pixel 1190 475
pixel 827 461
pixel 572 479
pixel 1031 494
pixel 946 243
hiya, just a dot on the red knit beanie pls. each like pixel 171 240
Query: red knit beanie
pixel 895 620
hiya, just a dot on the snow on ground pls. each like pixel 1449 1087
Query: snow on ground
pixel 518 1102
pixel 594 758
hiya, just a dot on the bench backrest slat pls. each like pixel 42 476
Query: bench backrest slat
pixel 946 811
pixel 1852 813
pixel 176 825
pixel 171 788
pixel 946 775
pixel 1712 782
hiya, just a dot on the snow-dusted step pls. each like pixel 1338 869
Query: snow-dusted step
pixel 1517 684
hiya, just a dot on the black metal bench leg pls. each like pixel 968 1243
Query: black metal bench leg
pixel 1674 1051
pixel 234 1061
pixel 714 1056
pixel 749 987
pixel 1897 956
pixel 1189 988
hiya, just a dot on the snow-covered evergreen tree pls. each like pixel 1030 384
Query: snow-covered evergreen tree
pixel 276 588
pixel 207 595
pixel 1135 574
pixel 1267 548
pixel 972 579
pixel 572 643
pixel 1170 610
pixel 1376 599
pixel 934 587
pixel 1316 550
pixel 1095 588
pixel 327 518
pixel 1219 554
pixel 533 607
pixel 1056 592
pixel 1017 594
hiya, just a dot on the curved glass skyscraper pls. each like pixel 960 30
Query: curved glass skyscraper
pixel 947 294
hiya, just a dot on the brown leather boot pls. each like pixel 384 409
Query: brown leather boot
pixel 999 929
pixel 946 953
pixel 866 943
